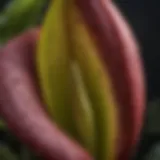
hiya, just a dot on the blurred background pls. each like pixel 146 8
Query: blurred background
pixel 144 17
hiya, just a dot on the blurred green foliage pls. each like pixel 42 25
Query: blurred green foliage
pixel 19 15
pixel 7 153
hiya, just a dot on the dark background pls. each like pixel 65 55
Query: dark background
pixel 144 16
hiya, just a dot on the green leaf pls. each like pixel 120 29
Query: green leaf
pixel 2 124
pixel 153 117
pixel 6 154
pixel 18 16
